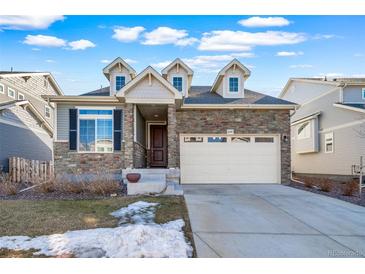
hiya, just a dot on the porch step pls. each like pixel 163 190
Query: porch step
pixel 148 184
pixel 173 189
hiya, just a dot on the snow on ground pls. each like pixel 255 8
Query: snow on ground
pixel 136 236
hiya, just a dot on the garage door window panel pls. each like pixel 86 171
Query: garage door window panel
pixel 217 139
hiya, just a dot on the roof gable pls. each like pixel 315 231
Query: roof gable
pixel 149 72
pixel 175 62
pixel 234 63
pixel 118 61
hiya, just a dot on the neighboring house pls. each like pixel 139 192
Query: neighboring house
pixel 222 133
pixel 328 128
pixel 26 119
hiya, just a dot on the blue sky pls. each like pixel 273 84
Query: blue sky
pixel 274 48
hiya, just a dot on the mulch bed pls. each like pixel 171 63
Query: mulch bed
pixel 34 194
pixel 336 192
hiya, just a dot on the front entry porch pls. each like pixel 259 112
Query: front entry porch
pixel 154 136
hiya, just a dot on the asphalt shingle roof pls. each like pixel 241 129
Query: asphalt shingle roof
pixel 203 95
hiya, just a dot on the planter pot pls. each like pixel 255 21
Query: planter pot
pixel 133 177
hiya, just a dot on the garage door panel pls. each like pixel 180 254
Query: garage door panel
pixel 229 163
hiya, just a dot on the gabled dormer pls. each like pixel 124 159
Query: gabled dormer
pixel 179 75
pixel 119 73
pixel 230 81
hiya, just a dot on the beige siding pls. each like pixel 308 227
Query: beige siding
pixel 353 94
pixel 233 73
pixel 348 147
pixel 301 92
pixel 115 71
pixel 63 119
pixel 306 145
pixel 146 91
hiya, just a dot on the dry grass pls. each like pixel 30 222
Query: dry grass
pixel 6 185
pixel 325 185
pixel 350 188
pixel 34 218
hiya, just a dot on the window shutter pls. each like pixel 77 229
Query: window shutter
pixel 117 129
pixel 73 129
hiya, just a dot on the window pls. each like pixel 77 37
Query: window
pixel 304 131
pixel 363 93
pixel 2 89
pixel 119 82
pixel 177 83
pixel 240 139
pixel 264 140
pixel 217 139
pixel 193 139
pixel 11 93
pixel 47 111
pixel 21 96
pixel 233 84
pixel 328 142
pixel 96 130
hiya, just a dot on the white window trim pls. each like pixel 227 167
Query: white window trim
pixel 93 116
pixel 21 94
pixel 2 92
pixel 299 137
pixel 182 82
pixel 238 85
pixel 329 142
pixel 45 112
pixel 115 80
pixel 363 93
pixel 10 89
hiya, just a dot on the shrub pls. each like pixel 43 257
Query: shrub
pixel 308 182
pixel 351 187
pixel 325 185
pixel 102 184
pixel 8 187
pixel 46 185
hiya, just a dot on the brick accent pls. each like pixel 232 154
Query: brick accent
pixel 139 159
pixel 172 141
pixel 243 121
pixel 128 135
pixel 66 161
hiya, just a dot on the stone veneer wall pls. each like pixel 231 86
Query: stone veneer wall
pixel 243 121
pixel 128 131
pixel 172 137
pixel 139 159
pixel 66 161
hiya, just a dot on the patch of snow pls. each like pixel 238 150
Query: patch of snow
pixel 142 238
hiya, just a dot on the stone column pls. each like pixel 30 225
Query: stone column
pixel 171 136
pixel 128 135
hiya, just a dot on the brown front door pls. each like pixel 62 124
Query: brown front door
pixel 158 146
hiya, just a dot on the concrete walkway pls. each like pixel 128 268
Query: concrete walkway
pixel 272 221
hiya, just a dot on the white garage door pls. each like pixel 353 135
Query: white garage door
pixel 210 159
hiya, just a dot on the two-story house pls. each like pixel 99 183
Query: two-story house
pixel 328 128
pixel 219 133
pixel 26 119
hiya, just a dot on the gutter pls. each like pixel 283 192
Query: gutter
pixel 236 106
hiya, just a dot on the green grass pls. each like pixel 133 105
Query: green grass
pixel 34 218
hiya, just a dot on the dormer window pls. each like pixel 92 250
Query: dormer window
pixel 119 82
pixel 177 83
pixel 233 84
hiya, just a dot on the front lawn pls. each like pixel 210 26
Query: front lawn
pixel 35 218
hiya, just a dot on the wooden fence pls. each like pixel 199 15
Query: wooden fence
pixel 24 170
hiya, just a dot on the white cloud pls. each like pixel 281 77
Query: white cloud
pixel 325 36
pixel 257 21
pixel 28 22
pixel 358 75
pixel 227 40
pixel 44 41
pixel 301 66
pixel 330 74
pixel 105 61
pixel 207 63
pixel 130 61
pixel 166 35
pixel 289 53
pixel 81 44
pixel 50 61
pixel 126 34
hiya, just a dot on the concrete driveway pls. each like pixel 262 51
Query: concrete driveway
pixel 272 221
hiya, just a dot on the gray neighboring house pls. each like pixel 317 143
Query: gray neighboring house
pixel 26 119
pixel 328 128
pixel 223 133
